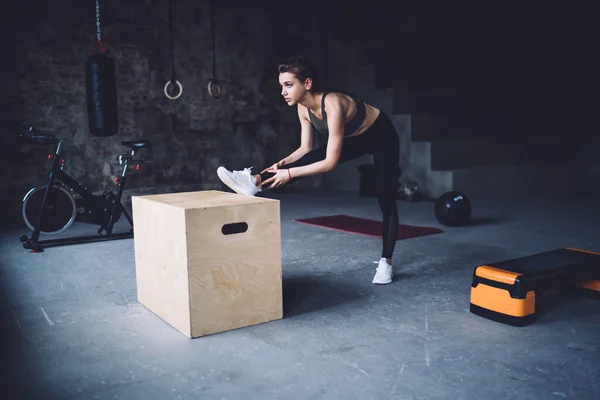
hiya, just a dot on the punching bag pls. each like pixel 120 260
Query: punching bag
pixel 101 87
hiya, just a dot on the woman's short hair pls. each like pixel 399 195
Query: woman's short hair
pixel 300 67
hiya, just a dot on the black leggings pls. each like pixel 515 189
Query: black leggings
pixel 381 141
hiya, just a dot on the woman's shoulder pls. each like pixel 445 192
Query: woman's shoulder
pixel 334 94
pixel 336 97
pixel 345 99
pixel 341 95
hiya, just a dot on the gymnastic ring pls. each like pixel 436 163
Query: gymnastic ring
pixel 218 92
pixel 180 90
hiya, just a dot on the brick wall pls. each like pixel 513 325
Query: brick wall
pixel 43 84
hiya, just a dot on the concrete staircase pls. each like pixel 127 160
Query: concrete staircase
pixel 488 166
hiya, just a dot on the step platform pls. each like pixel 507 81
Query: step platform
pixel 506 291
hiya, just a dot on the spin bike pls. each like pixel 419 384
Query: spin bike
pixel 52 208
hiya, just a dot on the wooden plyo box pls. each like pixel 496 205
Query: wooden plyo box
pixel 208 261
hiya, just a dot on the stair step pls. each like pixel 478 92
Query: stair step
pixel 516 180
pixel 464 126
pixel 448 155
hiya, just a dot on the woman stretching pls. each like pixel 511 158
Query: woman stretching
pixel 353 129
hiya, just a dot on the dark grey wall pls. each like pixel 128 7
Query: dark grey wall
pixel 43 84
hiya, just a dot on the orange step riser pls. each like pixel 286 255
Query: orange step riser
pixel 499 300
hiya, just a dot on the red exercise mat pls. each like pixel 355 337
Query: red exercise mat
pixel 367 227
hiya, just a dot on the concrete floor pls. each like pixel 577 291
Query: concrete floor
pixel 73 329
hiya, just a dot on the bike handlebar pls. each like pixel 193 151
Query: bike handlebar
pixel 37 138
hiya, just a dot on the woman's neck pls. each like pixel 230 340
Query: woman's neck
pixel 312 101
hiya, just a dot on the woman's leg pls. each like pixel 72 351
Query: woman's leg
pixel 386 157
pixel 352 148
pixel 386 198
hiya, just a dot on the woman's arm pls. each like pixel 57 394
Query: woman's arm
pixel 295 156
pixel 306 138
pixel 306 143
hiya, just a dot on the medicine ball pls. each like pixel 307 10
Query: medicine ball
pixel 452 209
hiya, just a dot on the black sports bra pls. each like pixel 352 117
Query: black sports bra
pixel 350 127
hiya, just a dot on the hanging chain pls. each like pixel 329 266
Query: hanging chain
pixel 172 40
pixel 214 44
pixel 98 32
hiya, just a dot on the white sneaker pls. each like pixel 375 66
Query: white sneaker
pixel 384 273
pixel 240 182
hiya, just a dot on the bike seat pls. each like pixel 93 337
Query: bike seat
pixel 135 144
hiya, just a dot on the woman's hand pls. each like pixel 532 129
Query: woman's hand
pixel 281 177
pixel 272 169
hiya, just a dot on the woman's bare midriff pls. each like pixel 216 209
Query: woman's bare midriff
pixel 371 114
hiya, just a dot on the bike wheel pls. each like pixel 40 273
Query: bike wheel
pixel 59 211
